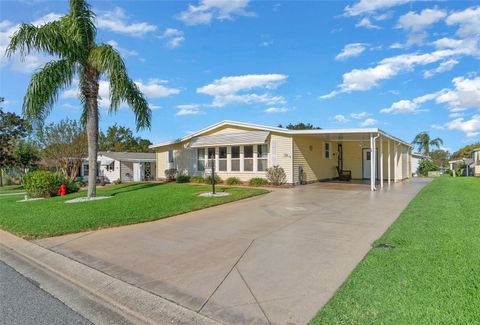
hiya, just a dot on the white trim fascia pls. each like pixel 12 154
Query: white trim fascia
pixel 281 130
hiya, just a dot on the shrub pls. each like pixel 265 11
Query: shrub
pixel 183 179
pixel 197 179
pixel 448 172
pixel 276 175
pixel 258 181
pixel 426 166
pixel 42 183
pixel 72 187
pixel 233 181
pixel 458 171
pixel 208 180
pixel 171 174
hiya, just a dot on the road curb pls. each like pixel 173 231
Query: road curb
pixel 98 297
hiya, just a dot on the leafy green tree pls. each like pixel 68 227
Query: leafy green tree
pixel 465 151
pixel 65 143
pixel 300 126
pixel 72 40
pixel 440 157
pixel 423 142
pixel 26 154
pixel 13 128
pixel 426 166
pixel 120 138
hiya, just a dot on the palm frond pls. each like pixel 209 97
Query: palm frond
pixel 51 38
pixel 42 92
pixel 81 23
pixel 106 59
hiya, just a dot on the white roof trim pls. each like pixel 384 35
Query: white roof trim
pixel 280 130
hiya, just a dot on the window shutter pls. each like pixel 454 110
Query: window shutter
pixel 274 152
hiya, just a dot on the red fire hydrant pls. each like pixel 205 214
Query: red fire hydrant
pixel 62 190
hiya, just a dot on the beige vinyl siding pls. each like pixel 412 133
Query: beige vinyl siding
pixel 281 154
pixel 308 153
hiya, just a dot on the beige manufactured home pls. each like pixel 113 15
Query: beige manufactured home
pixel 246 150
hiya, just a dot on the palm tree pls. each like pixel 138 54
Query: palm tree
pixel 423 142
pixel 72 40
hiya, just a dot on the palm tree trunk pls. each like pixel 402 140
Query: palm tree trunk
pixel 90 92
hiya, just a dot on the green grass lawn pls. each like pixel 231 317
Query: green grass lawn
pixel 131 203
pixel 7 189
pixel 431 276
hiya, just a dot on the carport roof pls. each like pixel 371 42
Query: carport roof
pixel 332 134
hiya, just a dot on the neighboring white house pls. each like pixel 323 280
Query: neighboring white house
pixel 124 166
pixel 246 150
pixel 470 166
pixel 416 158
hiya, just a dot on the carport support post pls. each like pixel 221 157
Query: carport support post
pixel 395 150
pixel 372 162
pixel 381 161
pixel 389 163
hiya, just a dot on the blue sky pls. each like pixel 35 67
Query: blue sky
pixel 399 65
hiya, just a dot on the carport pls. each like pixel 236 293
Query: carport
pixel 321 154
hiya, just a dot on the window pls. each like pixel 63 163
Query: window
pixel 327 150
pixel 368 155
pixel 201 159
pixel 222 159
pixel 111 166
pixel 248 158
pixel 235 159
pixel 85 170
pixel 170 156
pixel 262 157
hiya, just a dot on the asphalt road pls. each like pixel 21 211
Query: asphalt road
pixel 23 302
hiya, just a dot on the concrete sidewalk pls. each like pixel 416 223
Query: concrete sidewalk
pixel 276 258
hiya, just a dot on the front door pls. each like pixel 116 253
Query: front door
pixel 367 159
pixel 137 172
pixel 340 156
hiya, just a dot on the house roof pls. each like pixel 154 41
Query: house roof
pixel 420 155
pixel 281 130
pixel 128 156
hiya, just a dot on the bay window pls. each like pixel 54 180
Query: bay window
pixel 235 160
pixel 222 159
pixel 201 159
pixel 248 158
pixel 262 157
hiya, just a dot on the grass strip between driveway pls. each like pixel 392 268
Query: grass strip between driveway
pixel 429 271
pixel 131 203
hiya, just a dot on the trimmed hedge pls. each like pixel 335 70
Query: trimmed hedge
pixel 183 179
pixel 197 179
pixel 233 181
pixel 208 180
pixel 43 183
pixel 258 181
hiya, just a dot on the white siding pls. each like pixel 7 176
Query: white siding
pixel 126 171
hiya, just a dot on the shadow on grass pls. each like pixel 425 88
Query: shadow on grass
pixel 134 187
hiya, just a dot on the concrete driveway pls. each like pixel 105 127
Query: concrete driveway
pixel 276 259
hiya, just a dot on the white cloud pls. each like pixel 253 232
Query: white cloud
pixel 365 22
pixel 465 95
pixel 235 89
pixel 117 21
pixel 52 16
pixel 188 109
pixel 340 118
pixel 370 6
pixel 369 122
pixel 414 22
pixel 276 110
pixel 351 50
pixel 173 37
pixel 443 67
pixel 468 21
pixel 397 45
pixel 207 10
pixel 124 52
pixel 365 79
pixel 471 127
pixel 359 116
pixel 154 88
